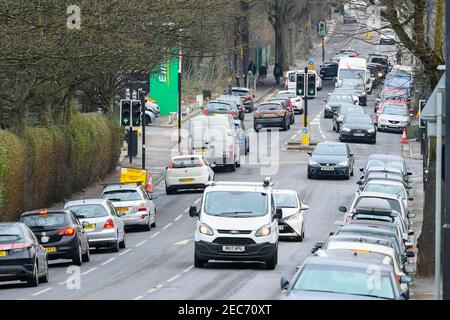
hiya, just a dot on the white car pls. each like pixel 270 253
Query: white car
pixel 393 118
pixel 395 188
pixel 296 101
pixel 188 172
pixel 292 225
pixel 133 203
pixel 237 221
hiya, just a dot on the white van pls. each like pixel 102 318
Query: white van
pixel 352 68
pixel 215 138
pixel 237 221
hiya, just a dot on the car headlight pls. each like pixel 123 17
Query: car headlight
pixel 371 130
pixel 263 231
pixel 346 130
pixel 380 74
pixel 312 162
pixel 205 229
pixel 343 163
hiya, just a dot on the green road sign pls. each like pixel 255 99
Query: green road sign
pixel 164 87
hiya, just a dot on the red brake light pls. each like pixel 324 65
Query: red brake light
pixel 109 224
pixel 202 163
pixel 171 165
pixel 142 207
pixel 67 232
pixel 205 112
pixel 257 113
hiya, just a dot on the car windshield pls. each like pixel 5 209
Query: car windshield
pixel 10 233
pixel 331 149
pixel 344 280
pixel 386 188
pixel 286 200
pixel 385 163
pixel 340 98
pixel 351 74
pixel 50 220
pixel 361 120
pixel 378 60
pixel 286 95
pixel 122 195
pixel 236 203
pixel 397 111
pixel 191 162
pixel 394 204
pixel 88 211
pixel 215 106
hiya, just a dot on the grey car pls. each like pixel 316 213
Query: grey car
pixel 105 227
pixel 322 277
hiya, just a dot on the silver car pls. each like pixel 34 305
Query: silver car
pixel 105 226
pixel 134 203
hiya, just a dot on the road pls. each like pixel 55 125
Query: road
pixel 159 264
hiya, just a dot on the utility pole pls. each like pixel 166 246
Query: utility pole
pixel 446 228
pixel 143 124
pixel 305 116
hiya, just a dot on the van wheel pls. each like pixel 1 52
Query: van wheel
pixel 271 263
pixel 199 263
pixel 122 244
pixel 232 167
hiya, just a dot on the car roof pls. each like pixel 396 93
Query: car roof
pixel 373 223
pixel 115 187
pixel 350 259
pixel 240 89
pixel 87 201
pixel 385 157
pixel 284 191
pixel 270 102
pixel 331 143
pixel 384 169
pixel 362 228
pixel 188 156
pixel 286 91
pixel 33 212
pixel 381 195
pixel 361 243
pixel 386 181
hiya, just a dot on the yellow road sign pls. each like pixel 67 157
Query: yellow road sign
pixel 133 175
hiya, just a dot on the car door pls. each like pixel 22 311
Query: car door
pixel 150 205
pixel 118 220
pixel 81 232
pixel 41 255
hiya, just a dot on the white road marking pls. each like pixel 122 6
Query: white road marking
pixel 182 242
pixel 188 268
pixel 62 283
pixel 141 243
pixel 167 225
pixel 155 235
pixel 186 210
pixel 107 261
pixel 174 277
pixel 125 252
pixel 159 286
pixel 41 292
pixel 197 201
pixel 138 298
pixel 89 271
pixel 179 217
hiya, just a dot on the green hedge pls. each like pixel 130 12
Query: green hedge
pixel 47 165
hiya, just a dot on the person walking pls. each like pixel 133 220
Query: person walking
pixel 262 74
pixel 251 67
pixel 277 72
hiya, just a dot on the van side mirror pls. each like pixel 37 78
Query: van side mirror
pixel 279 213
pixel 193 211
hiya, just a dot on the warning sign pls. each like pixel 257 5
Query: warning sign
pixel 133 175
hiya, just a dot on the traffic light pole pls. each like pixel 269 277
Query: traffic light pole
pixel 323 50
pixel 130 138
pixel 305 115
pixel 143 124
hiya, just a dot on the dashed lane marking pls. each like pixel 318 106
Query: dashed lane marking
pixel 197 201
pixel 174 277
pixel 138 298
pixel 167 225
pixel 188 268
pixel 42 291
pixel 125 252
pixel 179 217
pixel 107 261
pixel 141 243
pixel 155 235
pixel 89 271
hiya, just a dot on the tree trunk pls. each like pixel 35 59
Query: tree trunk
pixel 439 26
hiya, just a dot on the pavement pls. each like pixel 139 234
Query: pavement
pixel 159 264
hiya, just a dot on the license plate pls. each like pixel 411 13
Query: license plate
pixel 327 168
pixel 122 209
pixel 269 115
pixel 2 253
pixel 233 248
pixel 90 227
pixel 186 180
pixel 201 151
pixel 50 249
pixel 358 134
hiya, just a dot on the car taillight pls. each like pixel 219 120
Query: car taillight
pixel 248 97
pixel 67 232
pixel 289 103
pixel 297 100
pixel 257 113
pixel 397 277
pixel 233 113
pixel 109 224
pixel 171 165
pixel 205 112
pixel 142 207
pixel 202 163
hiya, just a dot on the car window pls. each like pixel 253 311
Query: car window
pixel 89 210
pixel 386 188
pixel 286 95
pixel 236 203
pixel 285 200
pixel 187 162
pixel 122 195
pixel 340 98
pixel 397 110
pixel 10 233
pixel 343 280
pixel 362 120
pixel 52 220
pixel 269 107
pixel 215 106
pixel 331 149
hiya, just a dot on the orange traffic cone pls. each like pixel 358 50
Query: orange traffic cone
pixel 404 136
pixel 149 186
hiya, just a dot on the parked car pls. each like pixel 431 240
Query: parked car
pixel 105 227
pixel 292 224
pixel 386 161
pixel 134 204
pixel 188 172
pixel 396 188
pixel 271 114
pixel 321 277
pixel 331 159
pixel 393 118
pixel 60 232
pixel 22 257
pixel 358 128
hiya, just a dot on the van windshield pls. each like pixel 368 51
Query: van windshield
pixel 236 204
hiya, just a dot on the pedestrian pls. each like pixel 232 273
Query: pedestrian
pixel 251 67
pixel 277 72
pixel 262 74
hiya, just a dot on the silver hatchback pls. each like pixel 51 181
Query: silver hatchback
pixel 104 227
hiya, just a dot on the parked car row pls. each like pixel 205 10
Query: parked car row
pixel 71 232
pixel 375 238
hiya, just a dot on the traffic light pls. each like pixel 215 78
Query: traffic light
pixel 311 85
pixel 136 113
pixel 322 29
pixel 125 112
pixel 300 84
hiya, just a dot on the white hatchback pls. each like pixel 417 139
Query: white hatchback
pixel 292 225
pixel 188 172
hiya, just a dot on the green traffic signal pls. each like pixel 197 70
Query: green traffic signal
pixel 125 112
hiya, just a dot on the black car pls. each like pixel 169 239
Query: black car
pixel 60 232
pixel 331 159
pixel 334 101
pixel 345 108
pixel 358 128
pixel 287 106
pixel 379 59
pixel 329 70
pixel 271 114
pixel 21 256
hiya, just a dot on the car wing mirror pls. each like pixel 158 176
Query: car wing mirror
pixel 360 183
pixel 405 280
pixel 411 199
pixel 317 246
pixel 361 169
pixel 408 245
pixel 278 213
pixel 410 270
pixel 193 211
pixel 309 153
pixel 152 196
pixel 411 215
pixel 342 209
pixel 85 224
pixel 304 207
pixel 284 283
pixel 410 232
